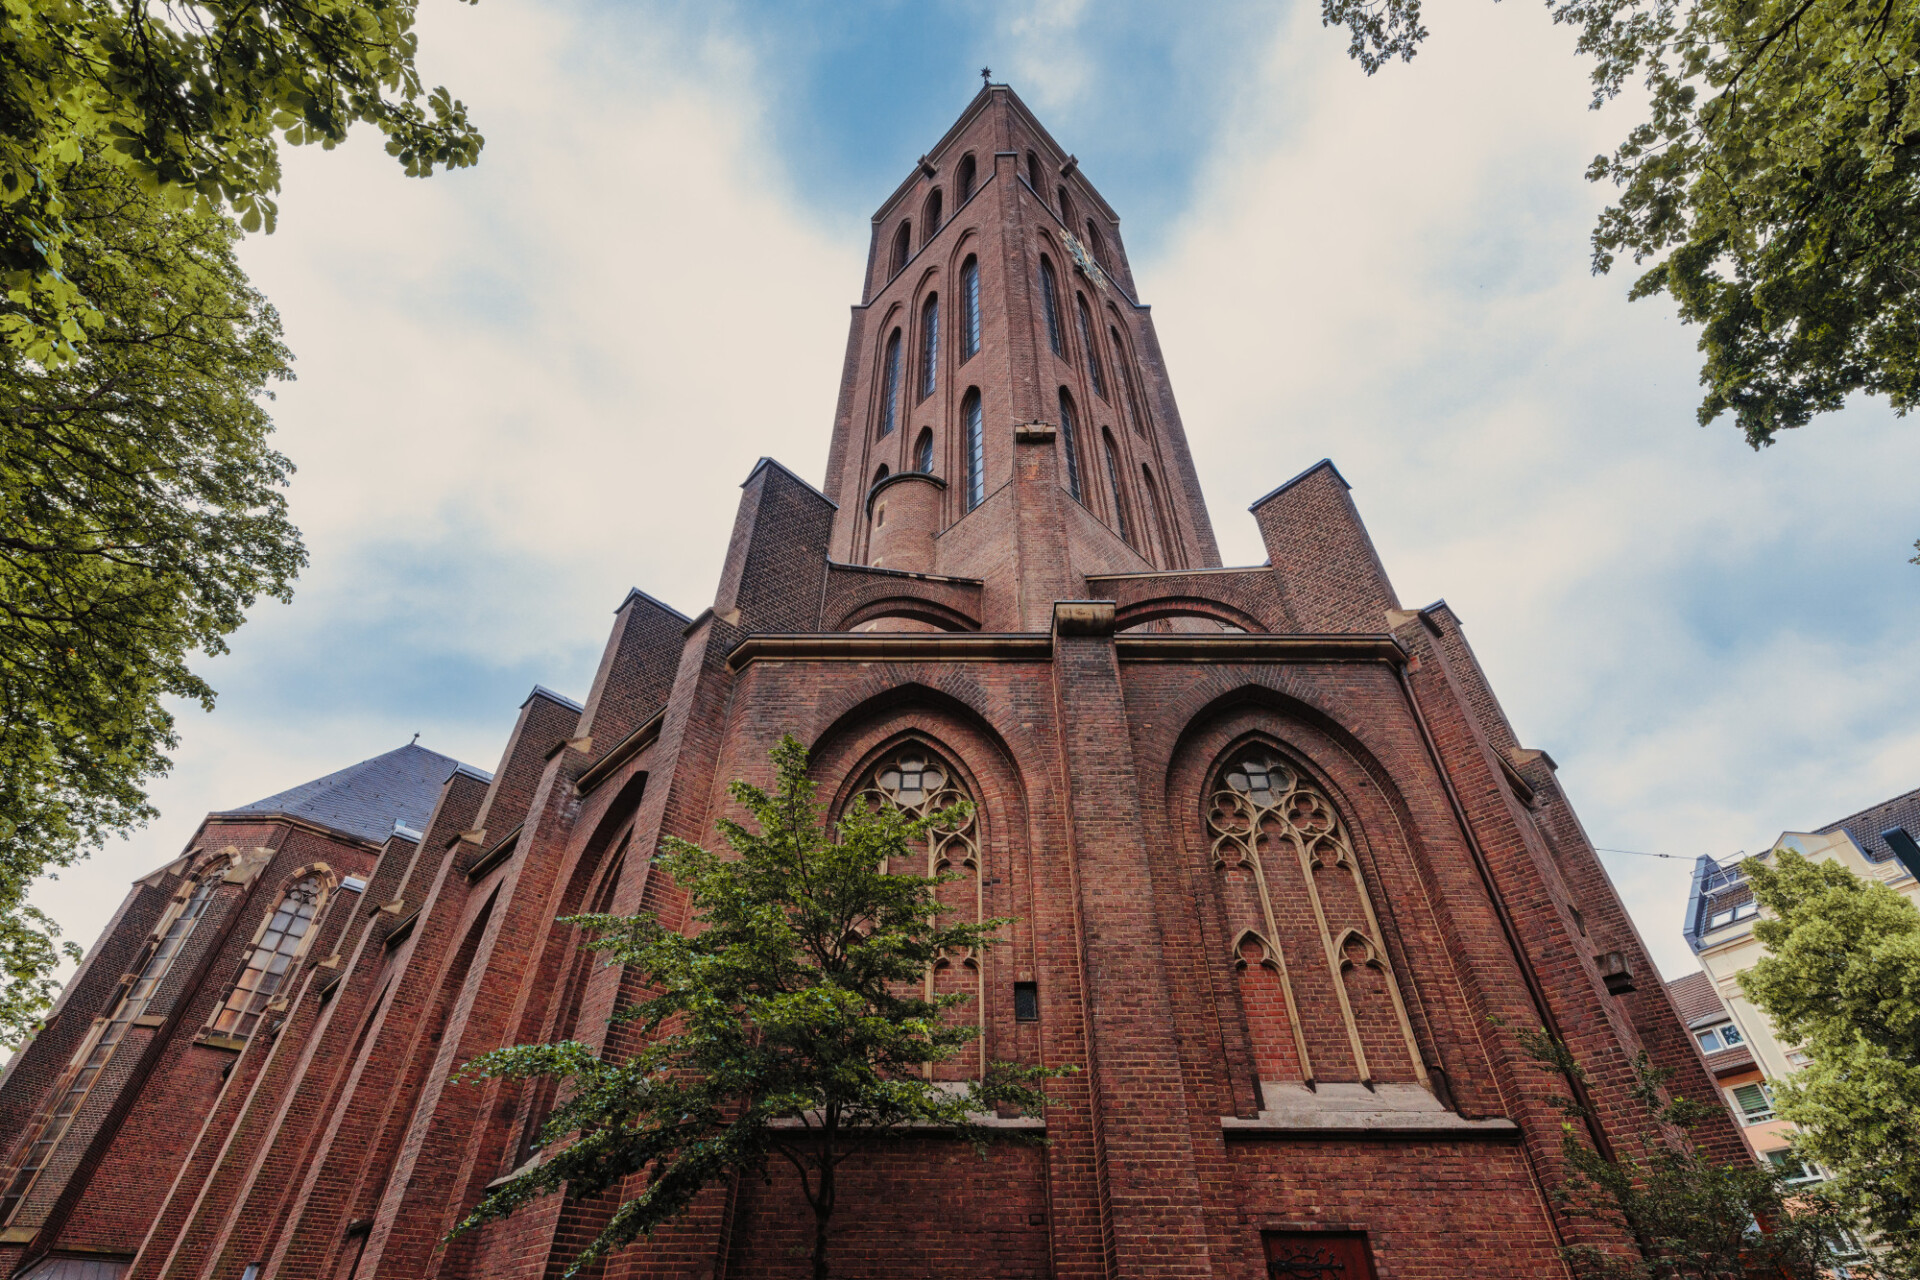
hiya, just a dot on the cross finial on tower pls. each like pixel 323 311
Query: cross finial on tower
pixel 986 74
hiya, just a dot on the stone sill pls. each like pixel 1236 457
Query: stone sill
pixel 1366 1124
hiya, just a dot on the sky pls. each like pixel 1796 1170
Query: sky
pixel 525 387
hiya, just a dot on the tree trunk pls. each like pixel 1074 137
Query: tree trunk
pixel 823 1207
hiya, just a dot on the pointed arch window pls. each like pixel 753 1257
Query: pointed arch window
pixel 1033 174
pixel 930 217
pixel 272 959
pixel 976 450
pixel 929 345
pixel 1156 528
pixel 1066 208
pixel 969 170
pixel 1125 366
pixel 923 453
pixel 1119 496
pixel 1097 246
pixel 79 1081
pixel 902 249
pixel 1093 347
pixel 969 308
pixel 1070 444
pixel 1050 303
pixel 890 385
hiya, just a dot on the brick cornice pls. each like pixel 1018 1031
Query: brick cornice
pixel 894 646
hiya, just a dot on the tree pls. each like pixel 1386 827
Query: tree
pixel 1841 979
pixel 141 514
pixel 192 99
pixel 1774 185
pixel 787 1024
pixel 1692 1219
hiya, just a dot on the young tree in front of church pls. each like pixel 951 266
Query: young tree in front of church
pixel 787 1025
pixel 1841 979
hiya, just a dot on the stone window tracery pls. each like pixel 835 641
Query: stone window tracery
pixel 915 778
pixel 270 961
pixel 1295 896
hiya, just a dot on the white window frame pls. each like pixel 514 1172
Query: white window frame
pixel 1748 1118
pixel 1717 1033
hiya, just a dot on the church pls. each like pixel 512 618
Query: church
pixel 1284 884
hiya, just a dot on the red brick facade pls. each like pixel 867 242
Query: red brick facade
pixel 1282 877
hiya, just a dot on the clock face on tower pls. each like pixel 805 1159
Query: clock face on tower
pixel 1084 260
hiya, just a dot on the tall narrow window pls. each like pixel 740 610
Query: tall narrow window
pixel 969 308
pixel 1093 348
pixel 1126 382
pixel 271 961
pixel 1119 497
pixel 1097 246
pixel 1071 445
pixel 1050 301
pixel 931 217
pixel 923 453
pixel 1033 174
pixel 976 450
pixel 890 385
pixel 1156 525
pixel 1066 208
pixel 902 249
pixel 73 1090
pixel 968 171
pixel 929 345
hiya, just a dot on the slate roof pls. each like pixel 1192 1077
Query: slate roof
pixel 1865 826
pixel 366 799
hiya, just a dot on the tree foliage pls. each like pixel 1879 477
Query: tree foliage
pixel 1841 979
pixel 1690 1217
pixel 141 513
pixel 192 98
pixel 1774 186
pixel 788 1023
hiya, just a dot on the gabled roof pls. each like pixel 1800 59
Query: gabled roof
pixel 1865 826
pixel 1695 998
pixel 365 800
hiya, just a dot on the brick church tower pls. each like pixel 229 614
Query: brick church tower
pixel 1284 880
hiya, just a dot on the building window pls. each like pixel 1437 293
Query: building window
pixel 1097 246
pixel 1126 383
pixel 1066 208
pixel 923 453
pixel 1119 498
pixel 1050 301
pixel 1093 349
pixel 1033 175
pixel 1795 1171
pixel 1154 520
pixel 1071 445
pixel 73 1090
pixel 976 446
pixel 968 171
pixel 271 961
pixel 1732 915
pixel 929 345
pixel 969 308
pixel 1753 1103
pixel 1026 1002
pixel 931 216
pixel 1318 1255
pixel 1714 1039
pixel 902 249
pixel 890 385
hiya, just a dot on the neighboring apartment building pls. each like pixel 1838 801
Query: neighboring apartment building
pixel 1741 1049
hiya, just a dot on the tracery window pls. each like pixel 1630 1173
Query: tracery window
pixel 94 1056
pixel 929 345
pixel 976 445
pixel 272 959
pixel 913 777
pixel 1093 348
pixel 1050 303
pixel 1304 929
pixel 890 385
pixel 969 308
pixel 1070 444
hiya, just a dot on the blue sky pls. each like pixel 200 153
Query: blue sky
pixel 506 374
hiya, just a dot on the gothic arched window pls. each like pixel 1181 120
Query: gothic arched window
pixel 923 453
pixel 1050 302
pixel 890 385
pixel 1097 246
pixel 969 308
pixel 1093 348
pixel 1278 843
pixel 1119 497
pixel 271 960
pixel 1033 174
pixel 930 217
pixel 1066 208
pixel 968 171
pixel 976 446
pixel 1156 532
pixel 78 1082
pixel 902 249
pixel 913 777
pixel 929 345
pixel 1070 444
pixel 1126 382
